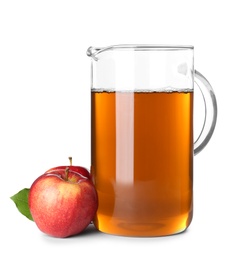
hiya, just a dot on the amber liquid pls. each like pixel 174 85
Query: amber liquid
pixel 142 162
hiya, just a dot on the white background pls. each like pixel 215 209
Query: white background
pixel 45 116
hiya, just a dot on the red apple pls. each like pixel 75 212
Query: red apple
pixel 62 202
pixel 83 171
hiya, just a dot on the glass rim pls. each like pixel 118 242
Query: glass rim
pixel 150 46
pixel 93 51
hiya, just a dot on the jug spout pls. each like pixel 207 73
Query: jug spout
pixel 92 52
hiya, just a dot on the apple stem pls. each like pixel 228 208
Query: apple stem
pixel 70 159
pixel 66 172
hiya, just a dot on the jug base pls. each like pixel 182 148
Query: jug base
pixel 171 226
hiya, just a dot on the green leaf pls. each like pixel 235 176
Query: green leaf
pixel 21 201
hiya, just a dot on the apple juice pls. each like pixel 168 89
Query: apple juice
pixel 142 161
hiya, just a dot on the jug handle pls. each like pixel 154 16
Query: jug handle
pixel 210 119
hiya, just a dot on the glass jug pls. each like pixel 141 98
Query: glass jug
pixel 142 137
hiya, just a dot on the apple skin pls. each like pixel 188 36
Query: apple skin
pixel 79 169
pixel 62 205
